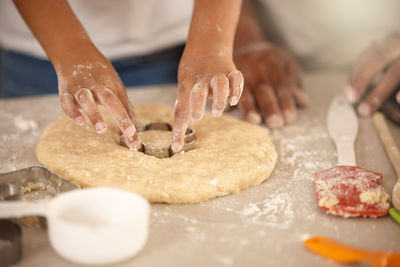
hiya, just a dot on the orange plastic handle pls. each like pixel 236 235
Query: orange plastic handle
pixel 338 252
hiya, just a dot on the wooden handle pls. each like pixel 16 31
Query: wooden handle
pixel 393 152
pixel 388 141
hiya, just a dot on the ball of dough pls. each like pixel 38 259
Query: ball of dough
pixel 230 155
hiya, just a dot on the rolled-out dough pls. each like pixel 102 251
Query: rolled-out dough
pixel 230 155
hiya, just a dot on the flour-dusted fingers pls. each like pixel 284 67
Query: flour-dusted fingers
pixel 269 105
pixel 198 98
pixel 248 107
pixel 373 60
pixel 123 96
pixel 236 82
pixel 181 114
pixel 84 98
pixel 382 90
pixel 132 114
pixel 117 110
pixel 70 107
pixel 220 87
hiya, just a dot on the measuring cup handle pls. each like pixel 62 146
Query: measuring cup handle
pixel 22 208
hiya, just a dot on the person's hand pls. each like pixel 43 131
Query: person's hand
pixel 86 78
pixel 206 69
pixel 202 76
pixel 272 84
pixel 379 56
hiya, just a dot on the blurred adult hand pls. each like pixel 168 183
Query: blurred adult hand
pixel 380 56
pixel 272 84
pixel 86 78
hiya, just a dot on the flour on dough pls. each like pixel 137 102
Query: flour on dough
pixel 230 155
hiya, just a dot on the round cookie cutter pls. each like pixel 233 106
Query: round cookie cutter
pixel 162 152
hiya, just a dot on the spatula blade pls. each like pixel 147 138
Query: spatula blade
pixel 342 125
pixel 351 191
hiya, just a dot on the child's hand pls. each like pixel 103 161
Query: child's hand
pixel 202 76
pixel 86 78
pixel 206 69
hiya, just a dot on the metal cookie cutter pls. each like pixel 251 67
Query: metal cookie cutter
pixel 162 152
pixel 32 183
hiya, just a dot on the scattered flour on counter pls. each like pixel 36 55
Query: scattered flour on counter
pixel 17 136
pixel 23 124
pixel 227 261
pixel 275 211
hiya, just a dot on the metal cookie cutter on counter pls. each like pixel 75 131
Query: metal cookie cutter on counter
pixel 162 152
pixel 33 183
pixel 29 184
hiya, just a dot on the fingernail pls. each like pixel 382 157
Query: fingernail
pixel 234 100
pixel 304 99
pixel 176 147
pixel 274 121
pixel 290 116
pixel 197 115
pixel 350 94
pixel 100 127
pixel 364 110
pixel 130 131
pixel 253 117
pixel 80 120
pixel 132 145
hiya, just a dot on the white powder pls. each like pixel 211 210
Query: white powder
pixel 23 124
pixel 227 261
pixel 18 133
pixel 274 211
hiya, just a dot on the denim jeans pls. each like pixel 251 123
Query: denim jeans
pixel 23 75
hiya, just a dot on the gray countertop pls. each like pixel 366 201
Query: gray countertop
pixel 261 226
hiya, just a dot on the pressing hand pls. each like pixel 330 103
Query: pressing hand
pixel 206 69
pixel 85 79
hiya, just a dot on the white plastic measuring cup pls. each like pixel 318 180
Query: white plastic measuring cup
pixel 90 226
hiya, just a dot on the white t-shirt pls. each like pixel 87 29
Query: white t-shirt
pixel 119 28
pixel 322 34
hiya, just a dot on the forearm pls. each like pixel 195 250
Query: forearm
pixel 214 23
pixel 55 26
pixel 248 30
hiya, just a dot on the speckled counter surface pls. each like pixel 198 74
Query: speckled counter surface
pixel 261 226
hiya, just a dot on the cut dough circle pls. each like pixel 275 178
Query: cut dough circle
pixel 230 155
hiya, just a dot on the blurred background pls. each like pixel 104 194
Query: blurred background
pixel 144 39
